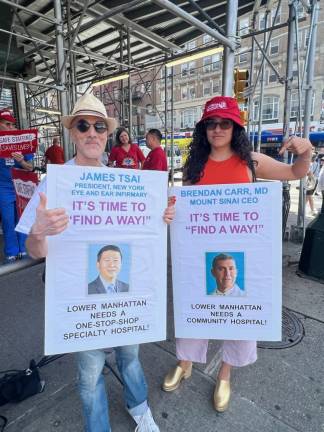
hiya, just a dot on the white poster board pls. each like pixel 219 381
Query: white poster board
pixel 223 229
pixel 107 207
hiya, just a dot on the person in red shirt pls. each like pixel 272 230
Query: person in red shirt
pixel 54 154
pixel 125 154
pixel 156 159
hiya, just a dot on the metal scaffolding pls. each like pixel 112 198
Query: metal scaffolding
pixel 71 45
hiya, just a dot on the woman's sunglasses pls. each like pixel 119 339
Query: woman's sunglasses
pixel 83 126
pixel 223 124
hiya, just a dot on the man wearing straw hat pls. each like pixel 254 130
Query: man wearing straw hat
pixel 89 128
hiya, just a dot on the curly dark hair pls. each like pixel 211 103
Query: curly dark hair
pixel 119 132
pixel 199 150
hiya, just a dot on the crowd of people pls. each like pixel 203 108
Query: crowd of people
pixel 124 154
pixel 220 153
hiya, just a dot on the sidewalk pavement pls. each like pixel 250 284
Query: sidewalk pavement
pixel 282 392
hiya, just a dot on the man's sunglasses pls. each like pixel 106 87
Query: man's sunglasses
pixel 223 124
pixel 83 126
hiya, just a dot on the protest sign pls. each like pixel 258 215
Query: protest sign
pixel 226 261
pixel 25 183
pixel 106 274
pixel 23 141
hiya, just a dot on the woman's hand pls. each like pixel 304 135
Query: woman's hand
pixel 169 212
pixel 297 145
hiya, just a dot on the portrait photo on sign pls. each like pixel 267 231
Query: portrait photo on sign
pixel 108 268
pixel 225 273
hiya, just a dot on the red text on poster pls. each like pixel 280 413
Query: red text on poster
pixel 25 183
pixel 23 141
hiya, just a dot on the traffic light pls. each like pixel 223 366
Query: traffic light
pixel 241 82
pixel 244 117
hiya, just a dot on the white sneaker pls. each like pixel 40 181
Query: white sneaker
pixel 146 423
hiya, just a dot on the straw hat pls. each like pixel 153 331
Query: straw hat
pixel 88 104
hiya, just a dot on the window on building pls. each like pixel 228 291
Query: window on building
pixel 184 69
pixel 262 21
pixel 244 26
pixel 216 62
pixel 184 92
pixel 294 110
pixel 274 47
pixel 243 57
pixel 270 108
pixel 212 63
pixel 271 76
pixel 207 67
pixel 206 88
pixel 191 91
pixel 192 67
pixel 188 118
pixel 206 39
pixel 216 87
pixel 273 14
pixel 188 69
pixel 189 46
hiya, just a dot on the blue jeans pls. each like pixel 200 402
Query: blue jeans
pixel 92 385
pixel 14 242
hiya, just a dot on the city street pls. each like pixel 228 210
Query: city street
pixel 282 392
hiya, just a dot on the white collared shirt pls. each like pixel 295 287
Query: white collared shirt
pixel 235 291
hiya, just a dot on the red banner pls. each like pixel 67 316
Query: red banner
pixel 23 141
pixel 25 183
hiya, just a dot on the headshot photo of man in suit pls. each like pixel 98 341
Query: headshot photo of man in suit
pixel 224 270
pixel 109 262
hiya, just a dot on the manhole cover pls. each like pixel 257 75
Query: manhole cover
pixel 292 332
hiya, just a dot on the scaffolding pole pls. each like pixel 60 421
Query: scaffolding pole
pixel 172 127
pixel 130 95
pixel 166 109
pixel 258 149
pixel 232 7
pixel 308 103
pixel 252 62
pixel 228 59
pixel 61 71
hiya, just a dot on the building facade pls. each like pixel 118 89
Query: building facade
pixel 197 81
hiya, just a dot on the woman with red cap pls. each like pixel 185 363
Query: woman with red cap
pixel 220 153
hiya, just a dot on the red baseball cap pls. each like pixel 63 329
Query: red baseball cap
pixel 6 115
pixel 223 107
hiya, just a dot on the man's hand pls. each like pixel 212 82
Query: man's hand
pixel 169 212
pixel 48 222
pixel 297 146
pixel 19 157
